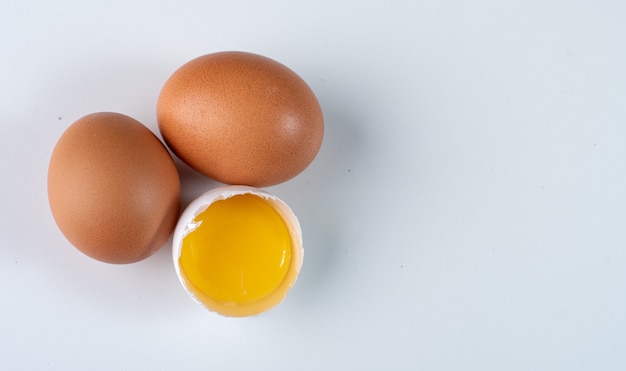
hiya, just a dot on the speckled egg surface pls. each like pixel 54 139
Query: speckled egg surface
pixel 113 188
pixel 241 118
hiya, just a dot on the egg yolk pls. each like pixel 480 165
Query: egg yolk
pixel 240 252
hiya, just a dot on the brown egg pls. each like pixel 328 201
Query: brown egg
pixel 240 118
pixel 113 188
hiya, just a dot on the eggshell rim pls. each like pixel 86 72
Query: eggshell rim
pixel 186 225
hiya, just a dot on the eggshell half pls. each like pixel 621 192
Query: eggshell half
pixel 186 225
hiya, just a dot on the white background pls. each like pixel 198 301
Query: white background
pixel 466 210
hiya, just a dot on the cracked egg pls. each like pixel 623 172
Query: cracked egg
pixel 237 250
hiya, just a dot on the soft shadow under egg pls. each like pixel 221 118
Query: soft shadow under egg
pixel 192 183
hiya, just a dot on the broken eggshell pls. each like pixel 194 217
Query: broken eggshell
pixel 187 225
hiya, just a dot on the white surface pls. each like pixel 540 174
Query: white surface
pixel 466 211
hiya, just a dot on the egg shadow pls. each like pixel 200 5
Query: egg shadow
pixel 193 184
pixel 323 197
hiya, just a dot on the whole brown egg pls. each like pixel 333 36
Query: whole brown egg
pixel 240 118
pixel 113 188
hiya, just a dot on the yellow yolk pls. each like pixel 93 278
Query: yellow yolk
pixel 240 253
